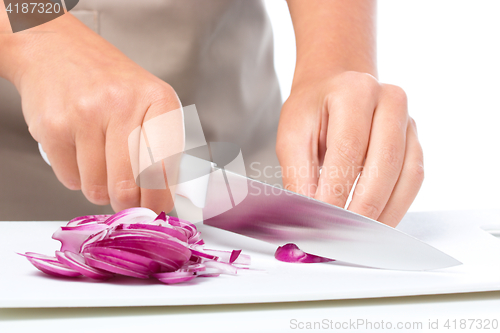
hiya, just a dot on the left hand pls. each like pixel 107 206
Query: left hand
pixel 351 124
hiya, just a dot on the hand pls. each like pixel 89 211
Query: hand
pixel 82 98
pixel 351 124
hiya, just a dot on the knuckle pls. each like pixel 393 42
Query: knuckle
pixel 117 95
pixel 364 81
pixel 56 126
pixel 391 157
pixel 350 149
pixel 391 217
pixel 126 193
pixel 97 194
pixel 164 94
pixel 85 104
pixel 333 193
pixel 396 94
pixel 370 209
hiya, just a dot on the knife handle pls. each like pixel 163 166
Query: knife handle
pixel 194 175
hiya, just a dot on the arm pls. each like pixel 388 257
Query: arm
pixel 82 98
pixel 334 36
pixel 340 117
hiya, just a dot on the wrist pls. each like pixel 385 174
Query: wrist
pixel 6 45
pixel 21 51
pixel 318 68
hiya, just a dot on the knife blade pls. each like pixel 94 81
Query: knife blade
pixel 278 216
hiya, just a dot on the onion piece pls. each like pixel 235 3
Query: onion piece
pixel 72 237
pixel 138 243
pixel 225 256
pixel 291 253
pixel 176 279
pixel 87 219
pixel 77 262
pixel 131 215
pixel 124 258
pixel 221 267
pixel 234 255
pixel 43 257
pixel 113 268
pixel 54 268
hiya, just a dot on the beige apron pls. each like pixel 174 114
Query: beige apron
pixel 216 54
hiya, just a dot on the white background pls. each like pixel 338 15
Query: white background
pixel 446 55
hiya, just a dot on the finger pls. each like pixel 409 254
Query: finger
pixel 91 157
pixel 61 153
pixel 385 155
pixel 297 150
pixel 163 131
pixel 347 143
pixel 409 182
pixel 122 188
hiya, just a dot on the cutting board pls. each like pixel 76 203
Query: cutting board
pixel 458 233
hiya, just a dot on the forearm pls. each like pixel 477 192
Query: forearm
pixel 334 36
pixel 19 51
pixel 6 45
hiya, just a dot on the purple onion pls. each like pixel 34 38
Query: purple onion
pixel 291 253
pixel 135 242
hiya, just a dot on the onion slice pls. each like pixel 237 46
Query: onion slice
pixel 291 253
pixel 77 262
pixel 137 243
pixel 54 268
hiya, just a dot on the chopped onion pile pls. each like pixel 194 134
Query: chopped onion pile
pixel 291 253
pixel 137 243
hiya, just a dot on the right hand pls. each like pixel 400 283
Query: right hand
pixel 81 99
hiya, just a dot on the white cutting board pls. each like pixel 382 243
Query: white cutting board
pixel 456 233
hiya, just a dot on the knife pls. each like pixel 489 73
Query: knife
pixel 258 210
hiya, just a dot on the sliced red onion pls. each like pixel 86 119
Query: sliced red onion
pixel 43 257
pixel 196 253
pixel 220 267
pixel 77 262
pixel 124 258
pixel 132 215
pixel 234 255
pixel 225 256
pixel 188 226
pixel 175 277
pixel 291 253
pixel 161 217
pixel 152 231
pixel 197 267
pixel 137 243
pixel 164 248
pixel 167 264
pixel 113 268
pixel 88 219
pixel 71 238
pixel 54 268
